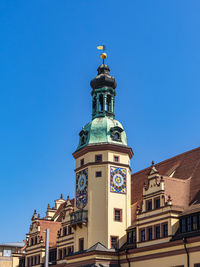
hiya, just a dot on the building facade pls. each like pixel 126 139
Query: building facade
pixel 11 253
pixel 116 218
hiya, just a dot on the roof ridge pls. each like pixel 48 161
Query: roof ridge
pixel 166 160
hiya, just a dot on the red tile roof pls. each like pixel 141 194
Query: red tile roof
pixel 186 166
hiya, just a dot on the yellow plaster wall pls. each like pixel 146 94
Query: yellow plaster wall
pixel 121 201
pixel 164 262
pixel 5 262
pixel 15 262
pixel 169 261
pixel 80 233
pixel 97 205
pixel 101 202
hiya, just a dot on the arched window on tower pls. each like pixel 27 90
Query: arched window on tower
pixel 83 140
pixel 108 103
pixel 101 103
pixel 94 104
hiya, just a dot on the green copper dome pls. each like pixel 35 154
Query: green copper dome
pixel 102 131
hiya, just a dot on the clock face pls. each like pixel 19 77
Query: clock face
pixel 118 180
pixel 81 189
pixel 82 182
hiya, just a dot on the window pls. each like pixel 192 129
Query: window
pixel 60 254
pixel 81 244
pixel 35 261
pixel 7 253
pixel 38 259
pixel 157 203
pixel 189 225
pixel 183 225
pixel 165 230
pixel 116 158
pixel 114 242
pixel 98 158
pixel 117 215
pixel 142 235
pixel 131 236
pixel 194 223
pixel 31 261
pixel 64 252
pixel 157 231
pixel 82 162
pixel 149 205
pixel 197 265
pixel 31 241
pixel 150 234
pixel 98 174
pixel 69 230
pixel 36 240
pixel 69 250
pixel 64 231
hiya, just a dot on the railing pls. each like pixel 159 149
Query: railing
pixel 78 217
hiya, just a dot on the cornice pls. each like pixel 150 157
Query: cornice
pixel 103 147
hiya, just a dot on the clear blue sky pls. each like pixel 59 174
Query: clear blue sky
pixel 48 57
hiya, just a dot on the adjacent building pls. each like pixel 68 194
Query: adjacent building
pixel 11 253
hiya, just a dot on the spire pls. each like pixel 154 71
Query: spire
pixel 103 93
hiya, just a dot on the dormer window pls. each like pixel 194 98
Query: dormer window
pixel 149 205
pixel 116 133
pixel 82 140
pixel 157 203
pixel 83 137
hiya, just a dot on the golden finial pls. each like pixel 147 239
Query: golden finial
pixel 103 55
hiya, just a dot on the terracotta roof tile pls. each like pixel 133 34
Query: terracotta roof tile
pixel 184 166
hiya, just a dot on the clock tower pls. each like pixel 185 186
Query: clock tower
pixel 102 176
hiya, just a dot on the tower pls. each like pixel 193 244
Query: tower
pixel 102 175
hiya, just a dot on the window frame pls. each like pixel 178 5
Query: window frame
pixel 116 156
pixel 155 200
pixel 82 162
pixel 96 158
pixel 114 215
pixel 143 230
pixel 98 174
pixel 155 231
pixel 65 231
pixel 69 230
pixel 81 244
pixel 147 205
pixel 163 229
pixel 117 241
pixel 148 228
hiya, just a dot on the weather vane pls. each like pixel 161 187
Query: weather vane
pixel 103 55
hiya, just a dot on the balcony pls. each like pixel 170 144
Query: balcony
pixel 79 217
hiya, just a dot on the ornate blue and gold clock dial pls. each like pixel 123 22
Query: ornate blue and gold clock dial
pixel 81 189
pixel 118 180
pixel 82 182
